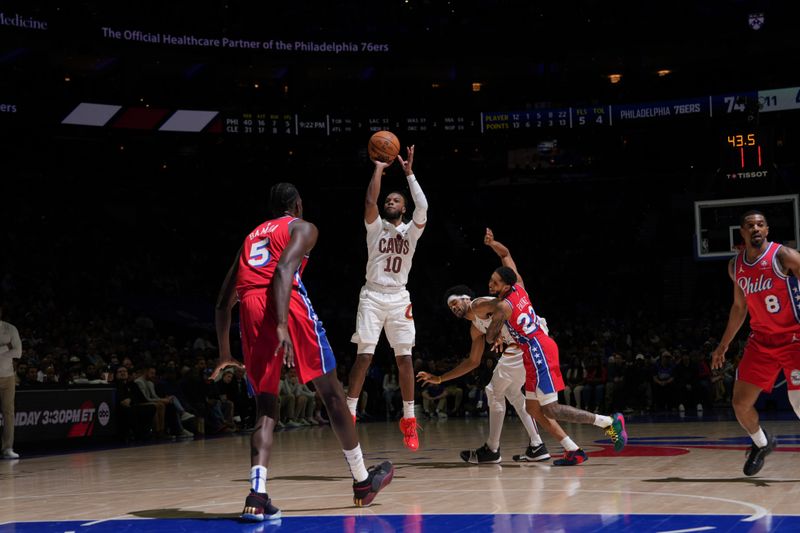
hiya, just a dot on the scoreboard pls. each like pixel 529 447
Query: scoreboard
pixel 328 125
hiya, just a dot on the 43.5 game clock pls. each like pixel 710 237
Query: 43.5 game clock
pixel 746 153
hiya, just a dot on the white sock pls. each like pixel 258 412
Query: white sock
pixel 536 440
pixel 258 479
pixel 408 409
pixel 568 445
pixel 602 421
pixel 356 462
pixel 352 404
pixel 759 438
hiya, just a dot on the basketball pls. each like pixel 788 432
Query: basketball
pixel 383 146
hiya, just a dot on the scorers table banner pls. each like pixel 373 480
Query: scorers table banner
pixel 63 414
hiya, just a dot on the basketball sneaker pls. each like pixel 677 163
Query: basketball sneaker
pixel 617 432
pixel 258 507
pixel 409 428
pixel 756 456
pixel 378 476
pixel 481 455
pixel 533 454
pixel 572 458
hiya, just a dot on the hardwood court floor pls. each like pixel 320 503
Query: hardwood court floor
pixel 690 468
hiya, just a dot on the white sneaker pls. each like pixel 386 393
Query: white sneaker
pixel 186 416
pixel 186 434
pixel 10 454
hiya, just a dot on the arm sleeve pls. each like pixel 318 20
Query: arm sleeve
pixel 420 215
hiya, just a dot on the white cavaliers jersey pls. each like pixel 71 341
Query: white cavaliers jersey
pixel 482 324
pixel 390 251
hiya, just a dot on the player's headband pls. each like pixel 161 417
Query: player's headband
pixel 455 297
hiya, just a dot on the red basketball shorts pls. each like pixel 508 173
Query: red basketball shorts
pixel 542 371
pixel 766 355
pixel 313 355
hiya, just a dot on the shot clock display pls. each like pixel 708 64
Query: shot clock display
pixel 745 154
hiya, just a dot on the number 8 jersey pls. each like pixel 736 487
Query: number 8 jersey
pixel 773 298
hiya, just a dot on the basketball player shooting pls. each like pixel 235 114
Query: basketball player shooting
pixel 384 303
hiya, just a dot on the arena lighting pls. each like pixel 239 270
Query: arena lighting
pixel 663 72
pixel 614 78
pixel 476 87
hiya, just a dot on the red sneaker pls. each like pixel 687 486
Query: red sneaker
pixel 409 428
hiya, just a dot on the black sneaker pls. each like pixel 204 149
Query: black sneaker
pixel 258 507
pixel 379 476
pixel 481 455
pixel 533 454
pixel 756 455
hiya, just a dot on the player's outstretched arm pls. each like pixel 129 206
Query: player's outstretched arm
pixel 464 367
pixel 303 237
pixel 420 214
pixel 502 252
pixel 222 318
pixel 735 320
pixel 371 212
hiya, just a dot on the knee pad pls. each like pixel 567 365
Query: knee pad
pixel 400 350
pixel 495 403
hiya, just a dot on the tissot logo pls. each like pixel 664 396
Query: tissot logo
pixel 748 175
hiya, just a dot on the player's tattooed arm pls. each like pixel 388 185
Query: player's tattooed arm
pixel 502 310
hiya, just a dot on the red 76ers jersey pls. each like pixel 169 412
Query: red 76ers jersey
pixel 773 299
pixel 261 252
pixel 523 323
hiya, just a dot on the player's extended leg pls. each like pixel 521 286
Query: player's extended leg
pixel 366 483
pixel 614 424
pixel 507 382
pixel 496 402
pixel 543 381
pixel 355 382
pixel 536 449
pixel 405 377
pixel 744 400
